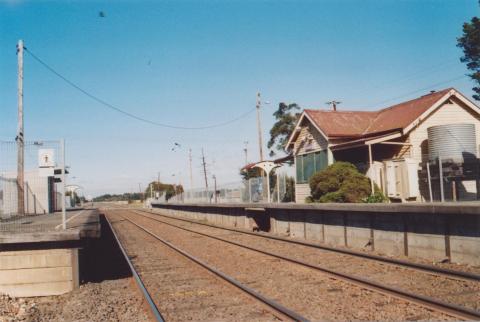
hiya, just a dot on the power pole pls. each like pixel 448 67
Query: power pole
pixel 20 134
pixel 205 172
pixel 334 104
pixel 245 149
pixel 259 126
pixel 190 160
pixel 215 187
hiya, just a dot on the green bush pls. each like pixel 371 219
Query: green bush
pixel 377 197
pixel 340 182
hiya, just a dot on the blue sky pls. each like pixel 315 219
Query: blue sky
pixel 195 63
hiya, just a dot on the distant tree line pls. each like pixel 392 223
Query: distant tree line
pixel 119 197
pixel 168 189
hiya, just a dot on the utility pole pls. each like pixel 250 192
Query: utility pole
pixel 205 173
pixel 245 149
pixel 259 126
pixel 190 161
pixel 334 104
pixel 215 187
pixel 20 134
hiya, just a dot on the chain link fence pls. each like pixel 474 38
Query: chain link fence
pixel 251 190
pixel 34 192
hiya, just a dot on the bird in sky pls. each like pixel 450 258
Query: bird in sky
pixel 176 146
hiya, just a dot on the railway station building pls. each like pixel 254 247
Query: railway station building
pixel 425 149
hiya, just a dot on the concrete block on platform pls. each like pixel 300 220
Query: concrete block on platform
pixel 334 229
pixel 388 235
pixel 282 224
pixel 38 272
pixel 359 231
pixel 313 226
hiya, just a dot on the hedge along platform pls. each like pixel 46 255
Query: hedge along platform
pixel 40 258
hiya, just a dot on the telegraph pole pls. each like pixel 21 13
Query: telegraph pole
pixel 215 187
pixel 205 172
pixel 334 104
pixel 190 160
pixel 20 134
pixel 245 149
pixel 259 126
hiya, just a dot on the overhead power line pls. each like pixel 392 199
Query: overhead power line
pixel 422 89
pixel 131 115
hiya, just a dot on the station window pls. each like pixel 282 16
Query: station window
pixel 308 164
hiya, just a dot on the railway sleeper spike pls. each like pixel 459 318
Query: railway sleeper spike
pixel 428 302
pixel 284 311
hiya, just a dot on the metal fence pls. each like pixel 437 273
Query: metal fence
pixel 252 190
pixel 29 197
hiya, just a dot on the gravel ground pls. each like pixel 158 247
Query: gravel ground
pixel 113 300
pixel 461 292
pixel 181 289
pixel 313 294
pixel 443 264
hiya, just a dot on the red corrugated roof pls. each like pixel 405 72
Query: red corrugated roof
pixel 366 123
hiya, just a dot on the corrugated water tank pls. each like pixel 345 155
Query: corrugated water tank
pixel 456 142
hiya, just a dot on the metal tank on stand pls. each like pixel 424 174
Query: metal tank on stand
pixel 452 171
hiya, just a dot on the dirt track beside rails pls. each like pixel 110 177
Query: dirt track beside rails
pixel 461 292
pixel 313 294
pixel 181 289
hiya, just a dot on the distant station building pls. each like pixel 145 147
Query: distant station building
pixel 41 188
pixel 400 147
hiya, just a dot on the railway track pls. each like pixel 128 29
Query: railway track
pixel 138 280
pixel 416 266
pixel 428 302
pixel 279 311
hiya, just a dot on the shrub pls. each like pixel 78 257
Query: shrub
pixel 377 197
pixel 340 182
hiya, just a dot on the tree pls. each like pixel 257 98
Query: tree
pixel 170 190
pixel 286 119
pixel 342 182
pixel 470 43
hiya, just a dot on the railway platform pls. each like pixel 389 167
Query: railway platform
pixel 40 258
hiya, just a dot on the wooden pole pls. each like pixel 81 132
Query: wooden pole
pixel 20 134
pixel 205 174
pixel 440 170
pixel 191 175
pixel 259 127
pixel 370 162
pixel 429 182
pixel 64 210
pixel 278 188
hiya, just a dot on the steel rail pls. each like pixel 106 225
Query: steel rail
pixel 151 304
pixel 425 301
pixel 398 262
pixel 284 311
